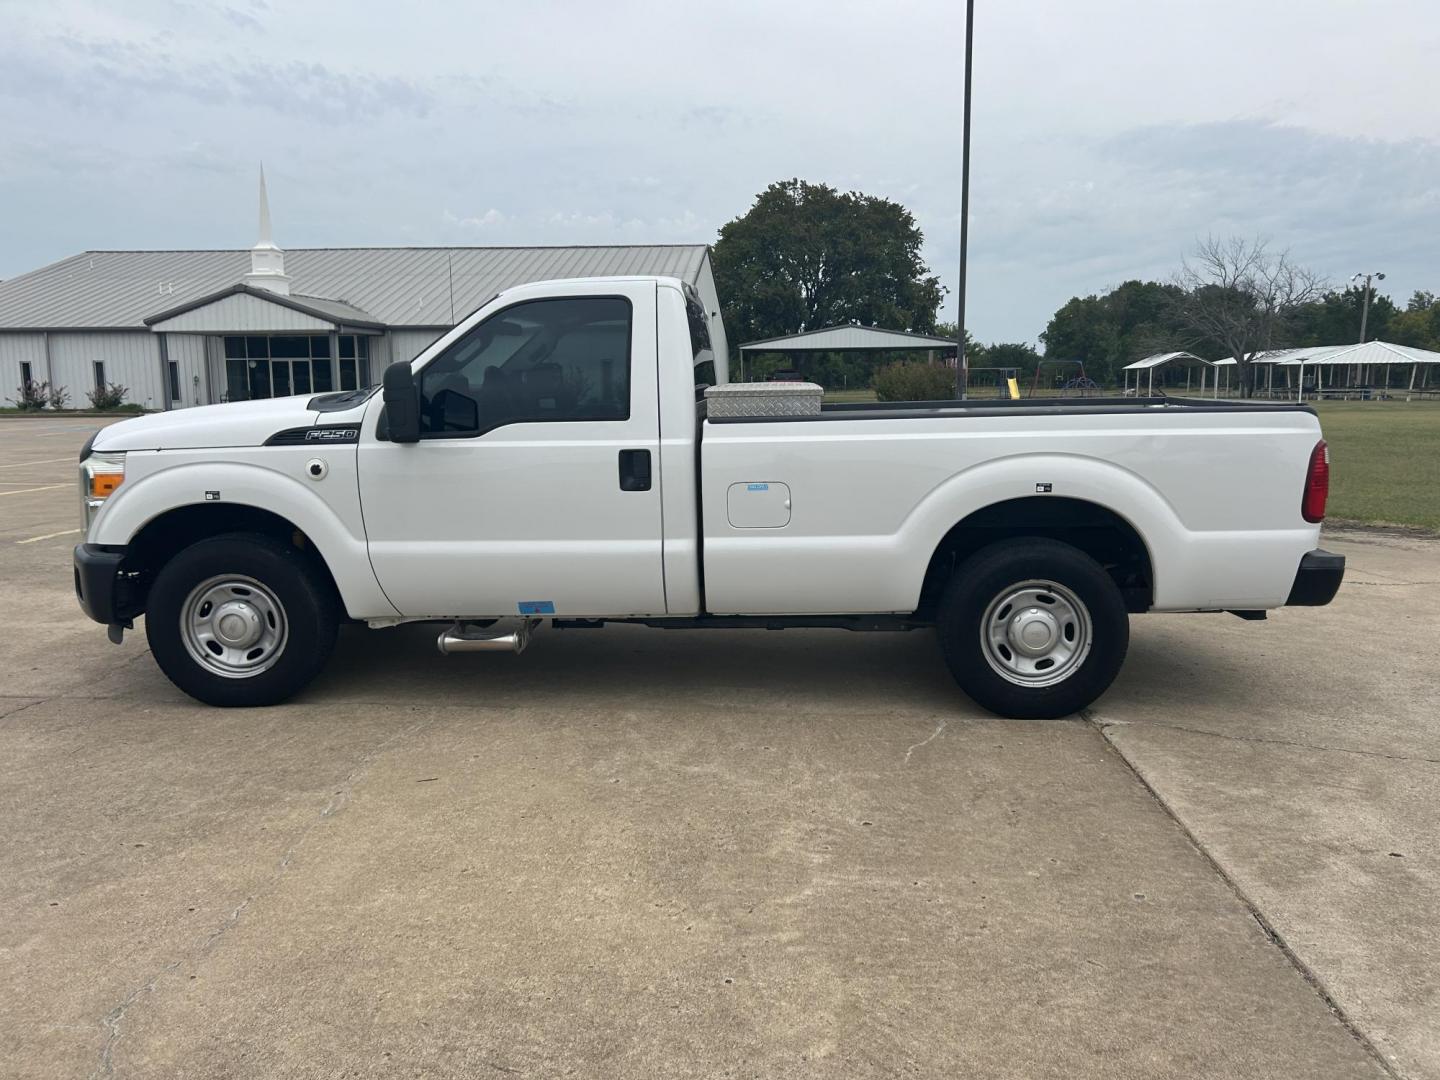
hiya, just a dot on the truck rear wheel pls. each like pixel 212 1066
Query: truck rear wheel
pixel 1033 628
pixel 240 619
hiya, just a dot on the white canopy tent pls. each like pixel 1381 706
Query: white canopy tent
pixel 1149 364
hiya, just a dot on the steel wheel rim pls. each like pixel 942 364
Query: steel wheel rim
pixel 233 626
pixel 1036 633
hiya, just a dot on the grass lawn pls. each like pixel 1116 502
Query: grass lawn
pixel 1384 461
pixel 834 396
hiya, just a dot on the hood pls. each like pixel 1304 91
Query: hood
pixel 240 423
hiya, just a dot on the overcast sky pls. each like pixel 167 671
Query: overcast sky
pixel 1108 134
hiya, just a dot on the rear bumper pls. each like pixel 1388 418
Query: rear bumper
pixel 98 583
pixel 1318 579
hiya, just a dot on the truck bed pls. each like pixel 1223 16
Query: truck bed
pixel 870 491
pixel 899 410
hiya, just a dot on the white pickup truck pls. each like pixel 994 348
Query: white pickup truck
pixel 551 458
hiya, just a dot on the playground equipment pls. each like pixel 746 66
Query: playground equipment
pixel 1077 385
pixel 1000 379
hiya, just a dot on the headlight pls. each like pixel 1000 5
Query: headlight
pixel 100 476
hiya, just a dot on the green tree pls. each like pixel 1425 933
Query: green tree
pixel 1240 295
pixel 806 256
pixel 974 351
pixel 1012 354
pixel 1418 325
pixel 1334 319
pixel 1107 331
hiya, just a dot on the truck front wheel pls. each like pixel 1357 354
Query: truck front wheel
pixel 240 619
pixel 1032 628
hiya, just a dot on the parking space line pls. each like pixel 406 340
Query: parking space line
pixel 48 428
pixel 42 461
pixel 27 491
pixel 47 536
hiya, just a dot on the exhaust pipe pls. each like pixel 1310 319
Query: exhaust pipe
pixel 506 635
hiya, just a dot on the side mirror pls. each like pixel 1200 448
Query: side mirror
pixel 402 403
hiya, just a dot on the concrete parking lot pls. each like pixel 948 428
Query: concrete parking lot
pixel 634 853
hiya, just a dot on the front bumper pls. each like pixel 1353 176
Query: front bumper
pixel 101 586
pixel 1318 579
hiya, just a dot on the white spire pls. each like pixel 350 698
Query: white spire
pixel 265 238
pixel 267 261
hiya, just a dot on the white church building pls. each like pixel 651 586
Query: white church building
pixel 182 328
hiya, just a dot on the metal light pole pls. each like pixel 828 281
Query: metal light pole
pixel 1365 308
pixel 962 366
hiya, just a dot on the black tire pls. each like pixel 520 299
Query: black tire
pixel 965 617
pixel 308 616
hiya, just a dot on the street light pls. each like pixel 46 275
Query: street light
pixel 962 368
pixel 1369 288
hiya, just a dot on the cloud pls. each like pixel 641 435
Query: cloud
pixel 140 125
pixel 117 76
pixel 488 220
pixel 246 18
pixel 1131 204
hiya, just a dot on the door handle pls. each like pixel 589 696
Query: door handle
pixel 634 470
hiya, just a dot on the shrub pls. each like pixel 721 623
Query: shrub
pixel 34 396
pixel 915 382
pixel 107 398
pixel 58 397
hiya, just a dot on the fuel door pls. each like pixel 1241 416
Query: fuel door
pixel 764 505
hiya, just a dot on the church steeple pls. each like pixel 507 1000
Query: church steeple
pixel 267 261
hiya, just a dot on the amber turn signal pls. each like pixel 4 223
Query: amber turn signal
pixel 103 484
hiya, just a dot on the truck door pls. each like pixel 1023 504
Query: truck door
pixel 534 488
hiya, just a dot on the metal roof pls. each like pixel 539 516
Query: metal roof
pixel 839 338
pixel 1280 356
pixel 1156 359
pixel 397 286
pixel 333 311
pixel 1371 352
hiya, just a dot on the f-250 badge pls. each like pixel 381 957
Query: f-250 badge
pixel 305 435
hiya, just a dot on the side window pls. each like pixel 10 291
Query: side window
pixel 704 355
pixel 544 360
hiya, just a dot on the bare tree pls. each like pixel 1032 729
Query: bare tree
pixel 1239 295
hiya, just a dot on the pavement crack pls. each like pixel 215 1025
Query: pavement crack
pixel 141 655
pixel 1104 725
pixel 116 1016
pixel 1311 977
pixel 113 1020
pixel 925 742
pixel 16 712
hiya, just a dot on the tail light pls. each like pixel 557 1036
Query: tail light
pixel 1317 484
